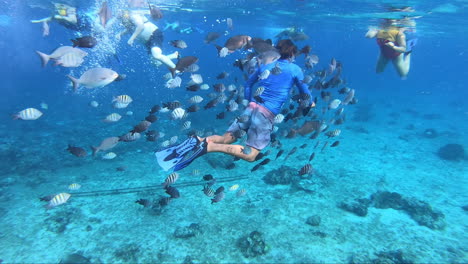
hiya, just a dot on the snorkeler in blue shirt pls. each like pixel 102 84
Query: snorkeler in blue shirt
pixel 256 121
pixel 276 86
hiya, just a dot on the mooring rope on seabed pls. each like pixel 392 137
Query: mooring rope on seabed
pixel 153 187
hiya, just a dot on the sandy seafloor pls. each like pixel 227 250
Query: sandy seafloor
pixel 387 152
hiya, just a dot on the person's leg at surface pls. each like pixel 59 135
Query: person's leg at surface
pixel 382 62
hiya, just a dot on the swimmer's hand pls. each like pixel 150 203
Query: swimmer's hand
pixel 312 105
pixel 372 32
pixel 130 42
pixel 390 44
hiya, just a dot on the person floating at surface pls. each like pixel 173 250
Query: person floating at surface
pixel 393 45
pixel 259 114
pixel 66 16
pixel 135 21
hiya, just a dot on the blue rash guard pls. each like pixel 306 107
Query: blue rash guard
pixel 277 87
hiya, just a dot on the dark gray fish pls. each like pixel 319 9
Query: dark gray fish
pixel 77 151
pixel 178 44
pixel 324 145
pixel 218 198
pixel 129 137
pixel 154 109
pixel 292 151
pixel 155 12
pixel 303 146
pixel 256 167
pixel 211 36
pixel 220 115
pixel 219 87
pixel 265 162
pixel 211 103
pixel 164 201
pixel 222 75
pixel 334 144
pixel 231 166
pixel 172 191
pixel 183 64
pixel 145 202
pixel 261 46
pixel 279 154
pixel 152 135
pixel 172 105
pixel 84 42
pixel 208 177
pixel 193 108
pixel 316 144
pixel 259 156
pixel 121 168
pixel 47 198
pixel 151 118
pixel 312 156
pixel 141 127
pixel 219 190
pixel 237 42
pixel 193 87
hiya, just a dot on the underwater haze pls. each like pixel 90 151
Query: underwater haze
pixel 377 175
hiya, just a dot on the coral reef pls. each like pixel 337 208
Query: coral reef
pixel 253 245
pixel 384 257
pixel 128 253
pixel 187 231
pixel 313 220
pixel 423 214
pixel 420 211
pixel 384 200
pixel 75 258
pixel 357 207
pixel 284 175
pixel 395 257
pixel 453 152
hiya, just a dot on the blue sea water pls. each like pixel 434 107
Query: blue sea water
pixel 383 195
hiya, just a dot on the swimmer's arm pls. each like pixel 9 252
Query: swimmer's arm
pixel 137 20
pixel 250 82
pixel 401 40
pixel 119 35
pixel 372 32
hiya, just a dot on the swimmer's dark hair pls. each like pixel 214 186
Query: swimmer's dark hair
pixel 286 48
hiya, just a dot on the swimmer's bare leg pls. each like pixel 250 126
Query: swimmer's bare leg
pixel 402 64
pixel 234 150
pixel 381 63
pixel 157 54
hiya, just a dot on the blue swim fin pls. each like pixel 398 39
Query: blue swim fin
pixel 410 44
pixel 169 157
pixel 199 150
